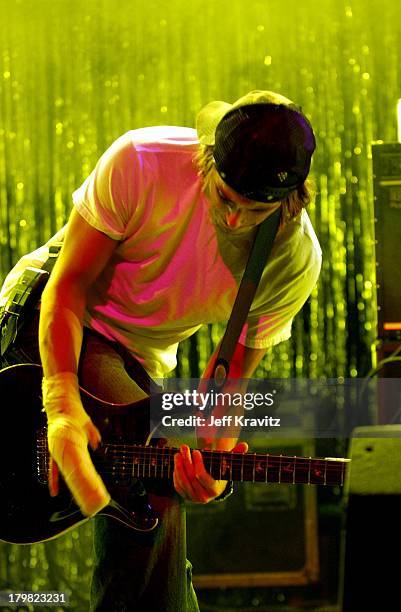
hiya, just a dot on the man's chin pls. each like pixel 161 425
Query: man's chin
pixel 222 225
pixel 236 231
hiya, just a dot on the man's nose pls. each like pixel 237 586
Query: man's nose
pixel 233 218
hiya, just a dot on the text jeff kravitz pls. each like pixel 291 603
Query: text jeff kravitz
pixel 225 421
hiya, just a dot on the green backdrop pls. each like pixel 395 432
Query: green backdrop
pixel 76 74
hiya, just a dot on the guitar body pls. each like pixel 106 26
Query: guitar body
pixel 27 512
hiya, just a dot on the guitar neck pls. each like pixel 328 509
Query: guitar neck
pixel 154 462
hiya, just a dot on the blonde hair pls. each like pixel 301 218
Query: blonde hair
pixel 291 205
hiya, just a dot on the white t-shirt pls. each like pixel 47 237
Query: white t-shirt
pixel 172 269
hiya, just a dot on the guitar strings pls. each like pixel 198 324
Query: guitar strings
pixel 209 456
pixel 317 470
pixel 155 453
pixel 166 470
pixel 228 474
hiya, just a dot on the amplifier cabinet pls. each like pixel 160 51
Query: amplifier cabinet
pixel 372 537
pixel 263 535
pixel 387 206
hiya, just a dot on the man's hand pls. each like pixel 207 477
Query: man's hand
pixel 92 436
pixel 192 481
pixel 69 430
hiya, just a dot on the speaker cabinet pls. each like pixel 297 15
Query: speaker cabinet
pixel 387 199
pixel 389 397
pixel 372 539
pixel 264 534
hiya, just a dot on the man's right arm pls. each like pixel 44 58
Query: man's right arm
pixel 83 256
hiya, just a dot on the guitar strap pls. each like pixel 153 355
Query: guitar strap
pixel 24 298
pixel 256 263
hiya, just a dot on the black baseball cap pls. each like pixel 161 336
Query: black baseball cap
pixel 262 144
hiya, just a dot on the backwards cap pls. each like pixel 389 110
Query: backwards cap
pixel 262 144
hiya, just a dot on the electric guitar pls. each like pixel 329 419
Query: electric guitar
pixel 29 514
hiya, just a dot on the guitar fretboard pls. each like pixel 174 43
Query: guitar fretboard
pixel 154 462
pixel 121 462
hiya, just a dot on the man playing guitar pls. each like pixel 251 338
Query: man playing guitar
pixel 155 247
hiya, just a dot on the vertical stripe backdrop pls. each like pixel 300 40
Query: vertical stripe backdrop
pixel 76 74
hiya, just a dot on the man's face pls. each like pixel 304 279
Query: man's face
pixel 233 212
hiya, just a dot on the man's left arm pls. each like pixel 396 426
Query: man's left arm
pixel 191 479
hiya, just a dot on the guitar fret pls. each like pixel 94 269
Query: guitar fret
pixel 310 465
pixel 242 468
pixel 302 471
pixel 267 467
pixel 279 469
pixel 254 467
pixel 287 471
pixel 318 473
pixel 337 466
